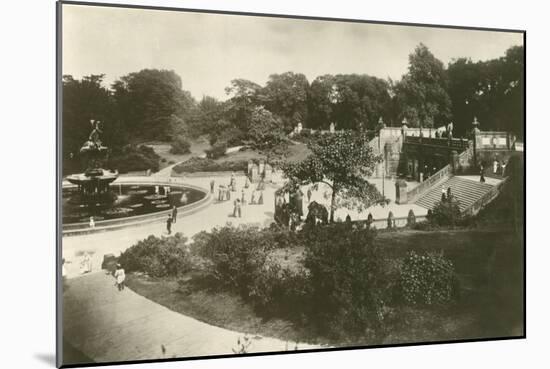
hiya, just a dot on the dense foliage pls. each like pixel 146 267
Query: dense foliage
pixel 445 212
pixel 158 257
pixel 133 158
pixel 427 279
pixel 194 165
pixel 217 150
pixel 180 145
pixel 340 287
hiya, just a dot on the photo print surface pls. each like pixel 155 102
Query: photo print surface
pixel 235 184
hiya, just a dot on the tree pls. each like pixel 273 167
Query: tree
pixel 490 90
pixel 152 104
pixel 320 102
pixel 352 101
pixel 266 130
pixel 244 98
pixel 421 95
pixel 83 100
pixel 342 161
pixel 286 96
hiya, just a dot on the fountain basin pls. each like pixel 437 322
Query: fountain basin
pixel 132 208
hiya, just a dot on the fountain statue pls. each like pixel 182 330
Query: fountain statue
pixel 93 184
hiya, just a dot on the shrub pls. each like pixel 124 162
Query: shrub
pixel 346 277
pixel 426 279
pixel 217 150
pixel 236 256
pixel 208 165
pixel 180 146
pixel 134 158
pixel 158 257
pixel 445 213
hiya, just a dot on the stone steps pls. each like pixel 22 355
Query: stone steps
pixel 466 191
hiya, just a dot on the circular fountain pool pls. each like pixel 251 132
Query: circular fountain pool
pixel 131 200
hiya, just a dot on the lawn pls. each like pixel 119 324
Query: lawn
pixel 488 262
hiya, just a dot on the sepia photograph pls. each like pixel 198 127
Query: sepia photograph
pixel 234 184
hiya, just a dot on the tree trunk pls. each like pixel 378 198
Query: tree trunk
pixel 332 205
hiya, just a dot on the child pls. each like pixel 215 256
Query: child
pixel 120 277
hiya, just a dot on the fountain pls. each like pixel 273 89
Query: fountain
pixel 93 184
pixel 92 200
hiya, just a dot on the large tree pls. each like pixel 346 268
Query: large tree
pixel 351 101
pixel 490 90
pixel 243 99
pixel 286 96
pixel 421 95
pixel 152 104
pixel 83 100
pixel 343 162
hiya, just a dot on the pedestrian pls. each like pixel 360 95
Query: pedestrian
pixel 243 200
pixel 495 166
pixel 220 191
pixel 169 224
pixel 239 207
pixel 228 194
pixel 212 186
pixel 86 265
pixel 443 192
pixel 309 193
pixel 174 214
pixel 120 277
pixel 449 192
pixel 482 178
pixel 261 198
pixel 503 167
pixel 92 222
pixel 235 208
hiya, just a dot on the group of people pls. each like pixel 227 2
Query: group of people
pixel 446 194
pixel 499 167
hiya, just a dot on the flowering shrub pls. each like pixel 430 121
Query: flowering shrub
pixel 158 257
pixel 426 279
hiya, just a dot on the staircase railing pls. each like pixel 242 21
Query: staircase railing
pixel 444 172
pixel 485 199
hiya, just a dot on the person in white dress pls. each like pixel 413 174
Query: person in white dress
pixel 120 277
pixel 86 265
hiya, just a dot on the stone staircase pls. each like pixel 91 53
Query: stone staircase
pixel 466 191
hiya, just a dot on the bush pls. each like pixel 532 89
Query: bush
pixel 236 256
pixel 347 281
pixel 158 257
pixel 445 213
pixel 426 279
pixel 133 158
pixel 180 146
pixel 208 165
pixel 217 150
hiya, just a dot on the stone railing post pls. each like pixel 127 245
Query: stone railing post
pixel 400 192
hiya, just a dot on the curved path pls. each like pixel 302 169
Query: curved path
pixel 110 325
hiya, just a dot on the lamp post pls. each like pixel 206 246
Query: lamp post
pixel 475 131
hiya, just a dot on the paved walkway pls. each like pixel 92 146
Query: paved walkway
pixel 108 325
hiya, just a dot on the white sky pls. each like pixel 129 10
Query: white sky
pixel 209 50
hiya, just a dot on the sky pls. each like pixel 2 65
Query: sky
pixel 209 50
